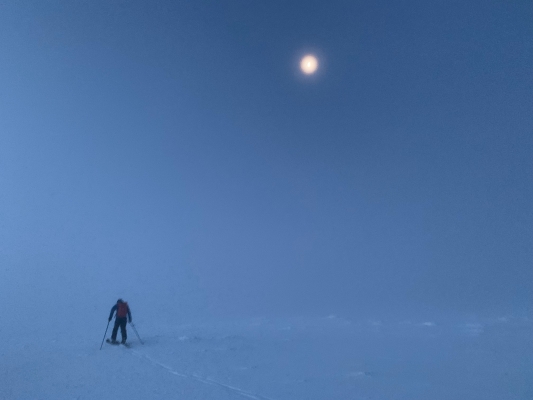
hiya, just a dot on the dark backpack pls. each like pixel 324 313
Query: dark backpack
pixel 122 310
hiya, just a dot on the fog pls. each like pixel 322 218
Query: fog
pixel 161 151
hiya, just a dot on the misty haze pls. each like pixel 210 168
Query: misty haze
pixel 291 199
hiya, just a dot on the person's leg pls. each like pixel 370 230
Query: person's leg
pixel 115 330
pixel 123 330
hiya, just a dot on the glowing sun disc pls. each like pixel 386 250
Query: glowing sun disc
pixel 309 64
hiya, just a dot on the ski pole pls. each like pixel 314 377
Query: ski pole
pixel 135 330
pixel 104 335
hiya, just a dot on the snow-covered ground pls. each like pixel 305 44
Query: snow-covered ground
pixel 285 359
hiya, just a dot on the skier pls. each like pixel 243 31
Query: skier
pixel 123 311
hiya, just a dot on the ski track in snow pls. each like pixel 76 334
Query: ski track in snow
pixel 197 378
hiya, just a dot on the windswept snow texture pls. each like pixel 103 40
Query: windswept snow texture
pixel 301 358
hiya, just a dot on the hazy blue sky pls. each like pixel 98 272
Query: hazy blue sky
pixel 174 147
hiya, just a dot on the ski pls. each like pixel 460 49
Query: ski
pixel 116 343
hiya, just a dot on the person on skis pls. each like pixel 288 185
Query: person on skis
pixel 122 317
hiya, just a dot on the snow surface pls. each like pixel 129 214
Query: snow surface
pixel 275 359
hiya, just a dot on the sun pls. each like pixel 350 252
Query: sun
pixel 309 64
